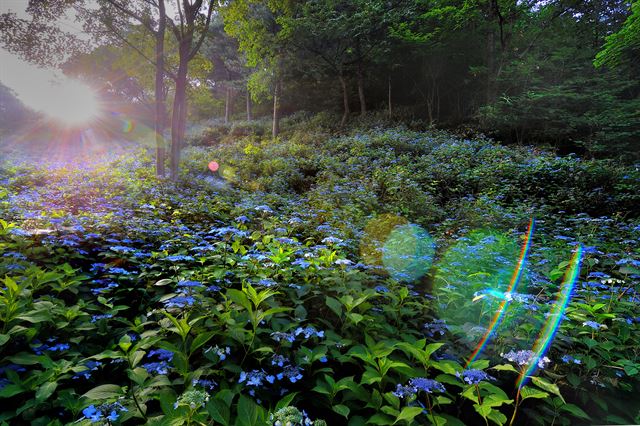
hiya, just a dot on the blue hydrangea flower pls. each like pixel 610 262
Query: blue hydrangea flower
pixel 190 284
pixel 526 357
pixel 161 354
pixel 108 411
pixel 473 376
pixel 592 324
pixel 179 301
pixel 436 326
pixel 96 318
pixel 252 378
pixel 427 385
pixel 567 359
pixel 279 336
pixel 161 367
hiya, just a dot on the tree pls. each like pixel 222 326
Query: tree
pixel 257 25
pixel 622 48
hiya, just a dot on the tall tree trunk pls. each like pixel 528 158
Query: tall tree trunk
pixel 491 52
pixel 389 96
pixel 363 103
pixel 276 109
pixel 160 108
pixel 249 106
pixel 179 114
pixel 227 105
pixel 345 99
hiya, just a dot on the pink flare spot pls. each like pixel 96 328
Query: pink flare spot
pixel 213 166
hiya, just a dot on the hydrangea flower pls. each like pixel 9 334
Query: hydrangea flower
pixel 473 376
pixel 526 357
pixel 418 384
pixel 192 398
pixel 279 336
pixel 567 359
pixel 308 332
pixel 161 354
pixel 96 318
pixel 161 367
pixel 436 326
pixel 179 301
pixel 252 378
pixel 90 366
pixel 205 383
pixel 592 324
pixel 221 352
pixel 108 411
pixel 190 284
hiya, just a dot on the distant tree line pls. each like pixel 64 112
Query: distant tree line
pixel 560 72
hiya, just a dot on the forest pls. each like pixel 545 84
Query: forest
pixel 321 212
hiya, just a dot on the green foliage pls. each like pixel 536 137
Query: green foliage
pixel 208 301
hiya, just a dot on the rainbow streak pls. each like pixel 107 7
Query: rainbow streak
pixel 515 279
pixel 555 316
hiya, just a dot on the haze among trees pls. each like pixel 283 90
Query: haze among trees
pixel 563 73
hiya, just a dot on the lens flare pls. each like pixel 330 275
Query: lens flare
pixel 472 281
pixel 408 252
pixel 128 126
pixel 376 233
pixel 70 102
pixel 505 296
pixel 555 315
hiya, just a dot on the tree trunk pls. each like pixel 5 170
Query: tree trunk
pixel 491 53
pixel 389 97
pixel 227 104
pixel 276 109
pixel 363 103
pixel 345 100
pixel 249 115
pixel 179 115
pixel 160 108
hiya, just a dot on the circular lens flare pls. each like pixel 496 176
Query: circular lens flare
pixel 408 252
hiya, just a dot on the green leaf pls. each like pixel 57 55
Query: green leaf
pixel 136 357
pixel 201 339
pixel 505 367
pixel 343 410
pixel 528 392
pixel 4 338
pixel 138 375
pixel 45 391
pixel 104 392
pixel 35 317
pixel 334 305
pixel 163 282
pixel 10 390
pixel 125 343
pixel 248 412
pixel 285 401
pixel 239 298
pixel 408 413
pixel 356 318
pixel 497 417
pixel 380 419
pixel 218 410
pixel 575 411
pixel 24 358
pixel 549 387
